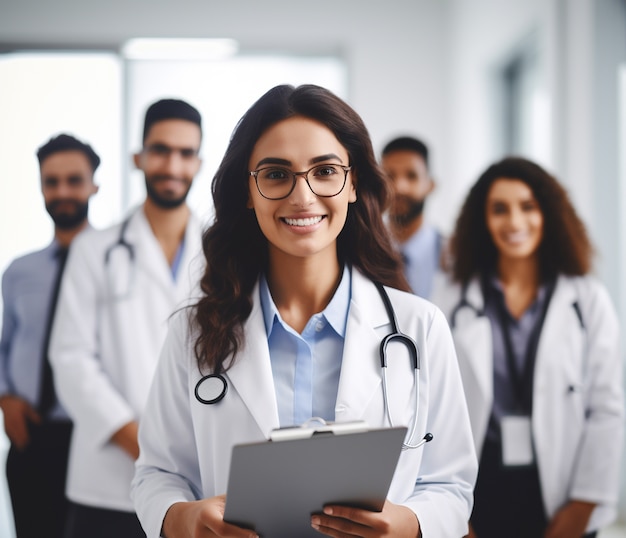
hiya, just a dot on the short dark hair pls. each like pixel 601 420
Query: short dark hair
pixel 65 142
pixel 407 143
pixel 170 109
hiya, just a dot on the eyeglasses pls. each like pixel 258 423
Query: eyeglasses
pixel 277 182
pixel 161 151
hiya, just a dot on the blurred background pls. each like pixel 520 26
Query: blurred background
pixel 475 79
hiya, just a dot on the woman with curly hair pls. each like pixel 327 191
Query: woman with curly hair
pixel 290 320
pixel 537 342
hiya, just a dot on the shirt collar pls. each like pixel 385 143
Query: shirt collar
pixel 336 313
pixel 54 249
pixel 496 286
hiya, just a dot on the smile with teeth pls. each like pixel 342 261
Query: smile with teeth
pixel 516 237
pixel 310 221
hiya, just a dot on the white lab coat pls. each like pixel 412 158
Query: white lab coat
pixel 578 407
pixel 186 445
pixel 104 350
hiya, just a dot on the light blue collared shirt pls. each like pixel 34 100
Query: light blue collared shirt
pixel 27 287
pixel 421 254
pixel 306 366
pixel 178 258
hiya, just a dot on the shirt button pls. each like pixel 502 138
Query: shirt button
pixel 319 325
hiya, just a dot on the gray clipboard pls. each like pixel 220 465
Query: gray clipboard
pixel 275 486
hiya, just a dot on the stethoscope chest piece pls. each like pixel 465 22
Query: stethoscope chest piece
pixel 211 389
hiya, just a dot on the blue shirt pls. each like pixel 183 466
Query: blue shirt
pixel 27 287
pixel 306 366
pixel 177 258
pixel 421 254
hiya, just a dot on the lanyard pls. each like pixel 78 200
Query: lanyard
pixel 522 380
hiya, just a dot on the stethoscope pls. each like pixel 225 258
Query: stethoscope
pixel 129 249
pixel 463 303
pixel 212 388
pixel 478 312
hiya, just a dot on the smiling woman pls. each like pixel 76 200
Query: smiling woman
pixel 537 340
pixel 289 318
pixel 301 218
pixel 515 224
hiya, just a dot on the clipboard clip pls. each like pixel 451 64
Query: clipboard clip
pixel 317 426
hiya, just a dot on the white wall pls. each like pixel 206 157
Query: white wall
pixel 482 34
pixel 395 48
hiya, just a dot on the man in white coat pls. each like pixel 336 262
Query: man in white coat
pixel 119 289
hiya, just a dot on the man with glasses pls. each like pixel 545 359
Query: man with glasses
pixel 119 289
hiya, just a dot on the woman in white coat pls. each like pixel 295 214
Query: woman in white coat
pixel 292 320
pixel 537 342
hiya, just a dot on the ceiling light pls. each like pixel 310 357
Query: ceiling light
pixel 179 49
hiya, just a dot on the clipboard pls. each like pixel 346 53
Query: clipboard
pixel 275 486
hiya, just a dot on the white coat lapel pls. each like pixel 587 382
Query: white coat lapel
pixel 560 340
pixel 473 339
pixel 251 375
pixel 563 298
pixel 149 255
pixel 360 370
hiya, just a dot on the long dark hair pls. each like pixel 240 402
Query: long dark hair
pixel 236 250
pixel 565 247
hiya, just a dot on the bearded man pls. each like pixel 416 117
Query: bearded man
pixel 405 160
pixel 37 425
pixel 120 288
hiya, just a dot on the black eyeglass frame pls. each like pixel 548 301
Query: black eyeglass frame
pixel 255 173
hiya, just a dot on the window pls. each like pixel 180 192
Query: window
pixel 101 98
pixel 526 126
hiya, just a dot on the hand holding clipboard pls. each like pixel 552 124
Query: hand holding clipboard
pixel 275 486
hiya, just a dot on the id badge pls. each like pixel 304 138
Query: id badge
pixel 517 446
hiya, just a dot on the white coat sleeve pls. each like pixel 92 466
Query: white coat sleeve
pixel 82 384
pixel 443 495
pixel 596 477
pixel 167 470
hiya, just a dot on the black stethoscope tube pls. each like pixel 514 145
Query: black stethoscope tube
pixel 217 386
